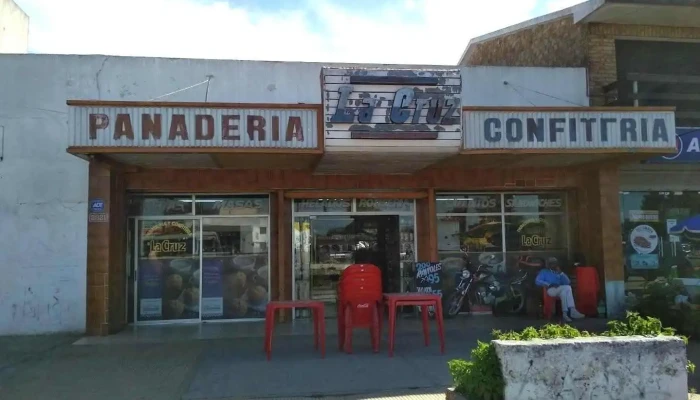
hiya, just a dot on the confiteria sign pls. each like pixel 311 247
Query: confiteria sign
pixel 179 127
pixel 570 129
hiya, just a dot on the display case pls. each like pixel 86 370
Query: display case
pixel 333 254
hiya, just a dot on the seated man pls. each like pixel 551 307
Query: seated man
pixel 558 285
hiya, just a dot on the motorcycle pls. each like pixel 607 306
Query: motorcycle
pixel 481 287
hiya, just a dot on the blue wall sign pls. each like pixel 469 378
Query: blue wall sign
pixel 97 206
pixel 687 148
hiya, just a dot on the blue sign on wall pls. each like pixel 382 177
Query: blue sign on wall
pixel 97 206
pixel 687 148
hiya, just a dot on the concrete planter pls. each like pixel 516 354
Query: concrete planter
pixel 605 368
pixel 450 394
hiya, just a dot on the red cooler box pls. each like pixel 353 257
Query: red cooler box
pixel 587 289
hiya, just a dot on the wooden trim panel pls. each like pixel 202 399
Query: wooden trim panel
pixel 242 181
pixel 432 249
pixel 568 109
pixel 175 104
pixel 360 194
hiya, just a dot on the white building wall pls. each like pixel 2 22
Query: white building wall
pixel 43 190
pixel 14 28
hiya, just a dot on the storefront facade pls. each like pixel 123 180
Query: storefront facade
pixel 661 197
pixel 202 211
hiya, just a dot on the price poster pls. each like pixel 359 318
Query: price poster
pixel 429 277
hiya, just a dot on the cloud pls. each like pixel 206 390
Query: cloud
pixel 556 5
pixel 396 31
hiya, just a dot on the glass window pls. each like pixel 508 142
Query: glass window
pixel 660 235
pixel 322 205
pixel 535 232
pixel 473 228
pixel 384 205
pixel 468 204
pixel 159 205
pixel 235 267
pixel 232 205
pixel 534 203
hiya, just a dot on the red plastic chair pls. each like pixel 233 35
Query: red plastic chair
pixel 549 304
pixel 361 293
pixel 359 299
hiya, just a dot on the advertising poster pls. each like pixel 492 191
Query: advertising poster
pixel 644 241
pixel 150 290
pixel 429 277
pixel 167 252
pixel 212 288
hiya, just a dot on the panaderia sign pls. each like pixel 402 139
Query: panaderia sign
pixel 174 126
pixel 569 130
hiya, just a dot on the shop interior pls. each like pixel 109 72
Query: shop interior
pixel 330 235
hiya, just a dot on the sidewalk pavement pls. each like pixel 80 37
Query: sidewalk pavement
pixel 50 367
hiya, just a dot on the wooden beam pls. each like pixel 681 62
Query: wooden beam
pixel 283 261
pixel 432 226
pixel 116 165
pixel 340 194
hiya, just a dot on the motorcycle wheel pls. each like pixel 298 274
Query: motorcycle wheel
pixel 475 297
pixel 454 304
pixel 518 299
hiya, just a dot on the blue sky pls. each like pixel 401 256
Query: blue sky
pixel 364 31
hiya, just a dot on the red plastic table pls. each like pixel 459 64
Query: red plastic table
pixel 395 300
pixel 317 308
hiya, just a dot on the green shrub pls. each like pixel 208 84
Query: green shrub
pixel 480 378
pixel 657 300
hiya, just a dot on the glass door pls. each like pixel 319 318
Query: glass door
pixel 167 269
pixel 325 245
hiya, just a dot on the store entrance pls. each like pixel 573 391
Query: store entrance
pixel 324 245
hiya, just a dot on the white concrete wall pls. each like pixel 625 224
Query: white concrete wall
pixel 43 190
pixel 617 368
pixel 14 28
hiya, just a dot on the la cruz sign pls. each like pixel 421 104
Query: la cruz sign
pixel 392 103
pixel 193 127
pixel 569 130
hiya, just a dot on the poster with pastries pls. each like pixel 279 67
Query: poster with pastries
pixel 150 290
pixel 245 286
pixel 643 247
pixel 168 272
pixel 212 288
